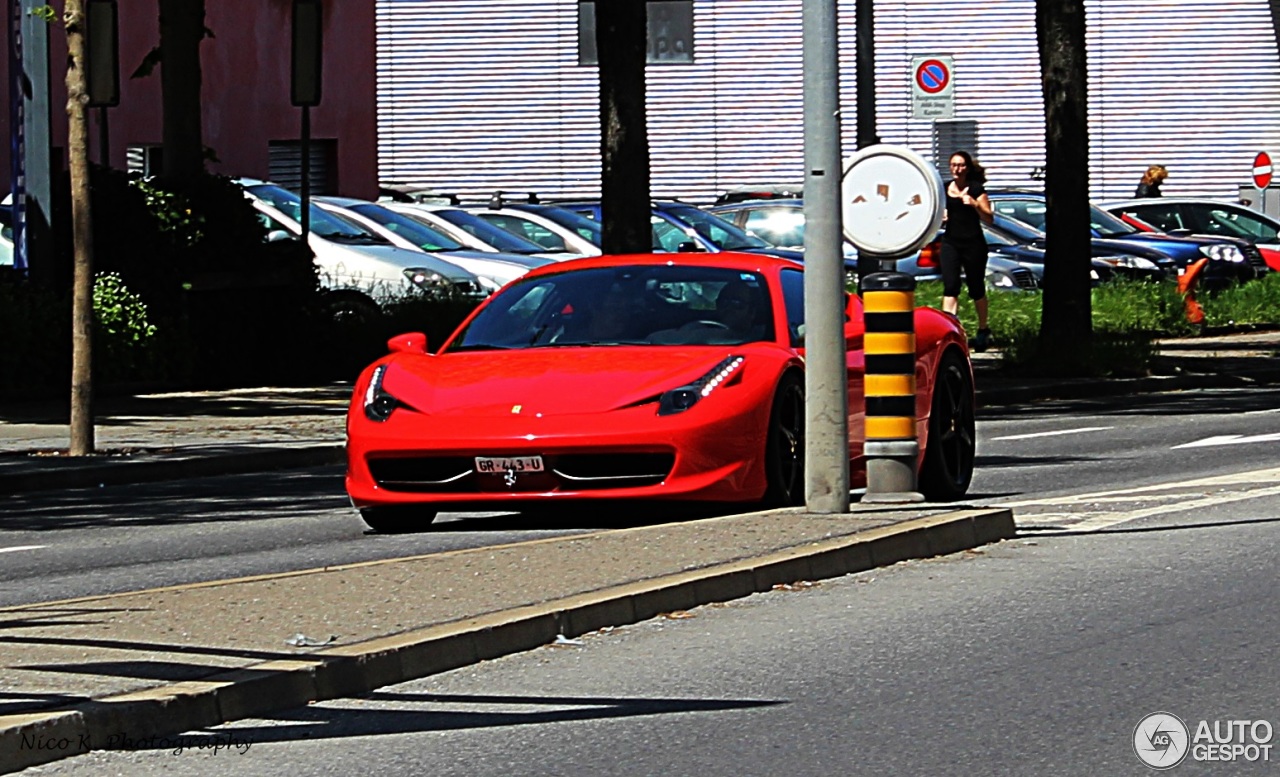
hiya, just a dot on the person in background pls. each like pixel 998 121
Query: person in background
pixel 964 246
pixel 1149 186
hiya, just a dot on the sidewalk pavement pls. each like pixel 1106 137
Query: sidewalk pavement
pixel 133 670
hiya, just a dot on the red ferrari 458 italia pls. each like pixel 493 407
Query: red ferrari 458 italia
pixel 644 377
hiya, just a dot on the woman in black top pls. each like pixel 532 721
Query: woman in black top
pixel 1149 186
pixel 964 246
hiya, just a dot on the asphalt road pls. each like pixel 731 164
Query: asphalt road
pixel 1039 655
pixel 1038 458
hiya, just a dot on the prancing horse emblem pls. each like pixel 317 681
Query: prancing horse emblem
pixel 509 477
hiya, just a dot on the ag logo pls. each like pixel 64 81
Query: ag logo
pixel 1161 740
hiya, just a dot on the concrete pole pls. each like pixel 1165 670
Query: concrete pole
pixel 826 387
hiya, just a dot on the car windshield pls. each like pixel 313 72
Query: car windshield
pixel 1018 230
pixel 419 234
pixel 323 223
pixel 997 237
pixel 1106 225
pixel 487 233
pixel 585 228
pixel 659 305
pixel 725 235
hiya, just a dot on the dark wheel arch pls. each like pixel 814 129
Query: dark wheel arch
pixel 397 519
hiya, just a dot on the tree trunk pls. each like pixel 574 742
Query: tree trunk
pixel 621 39
pixel 181 30
pixel 81 234
pixel 1066 319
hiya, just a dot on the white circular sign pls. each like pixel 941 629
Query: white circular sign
pixel 1160 740
pixel 891 200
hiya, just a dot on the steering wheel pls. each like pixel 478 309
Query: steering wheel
pixel 706 324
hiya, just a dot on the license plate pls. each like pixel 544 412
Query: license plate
pixel 499 464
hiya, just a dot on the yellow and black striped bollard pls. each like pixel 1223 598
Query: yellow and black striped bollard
pixel 891 447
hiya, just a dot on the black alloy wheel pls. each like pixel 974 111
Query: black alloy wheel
pixel 950 447
pixel 784 449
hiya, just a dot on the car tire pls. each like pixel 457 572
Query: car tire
pixel 950 446
pixel 351 308
pixel 784 446
pixel 398 519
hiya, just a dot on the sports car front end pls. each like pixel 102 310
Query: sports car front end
pixel 508 429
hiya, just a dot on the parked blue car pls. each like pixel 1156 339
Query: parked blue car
pixel 1230 260
pixel 679 226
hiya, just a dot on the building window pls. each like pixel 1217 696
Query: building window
pixel 145 160
pixel 285 165
pixel 670 32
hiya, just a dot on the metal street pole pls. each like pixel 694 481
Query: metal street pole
pixel 826 387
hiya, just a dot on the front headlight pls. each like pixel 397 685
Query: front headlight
pixel 429 280
pixel 1133 262
pixel 378 404
pixel 678 400
pixel 1223 253
pixel 1001 281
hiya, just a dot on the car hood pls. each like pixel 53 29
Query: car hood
pixel 547 381
pixel 1109 247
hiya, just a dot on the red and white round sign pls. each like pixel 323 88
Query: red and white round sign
pixel 1262 170
pixel 933 76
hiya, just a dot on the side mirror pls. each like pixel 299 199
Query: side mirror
pixel 411 342
pixel 688 247
pixel 276 235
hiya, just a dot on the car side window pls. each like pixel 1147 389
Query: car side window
pixel 793 300
pixel 1242 224
pixel 666 236
pixel 1163 217
pixel 526 228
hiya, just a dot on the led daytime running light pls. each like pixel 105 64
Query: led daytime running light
pixel 722 372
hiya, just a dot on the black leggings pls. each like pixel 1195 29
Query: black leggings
pixel 972 259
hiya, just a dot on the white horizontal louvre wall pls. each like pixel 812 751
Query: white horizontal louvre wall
pixel 478 95
pixel 738 119
pixel 1189 84
pixel 996 76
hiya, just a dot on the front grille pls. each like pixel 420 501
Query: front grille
pixel 565 472
pixel 1254 256
pixel 1024 278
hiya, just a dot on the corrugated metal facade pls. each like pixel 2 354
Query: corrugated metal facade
pixel 477 95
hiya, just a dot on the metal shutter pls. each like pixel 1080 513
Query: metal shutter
pixel 477 95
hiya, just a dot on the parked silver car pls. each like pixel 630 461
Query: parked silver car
pixel 406 232
pixel 359 270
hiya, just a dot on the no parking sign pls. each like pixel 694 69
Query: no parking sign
pixel 933 87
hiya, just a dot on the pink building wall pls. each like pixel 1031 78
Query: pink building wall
pixel 245 91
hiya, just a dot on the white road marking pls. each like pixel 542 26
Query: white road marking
pixel 17 548
pixel 1229 439
pixel 1054 434
pixel 1189 495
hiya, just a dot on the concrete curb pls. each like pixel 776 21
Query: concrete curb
pixel 37 738
pixel 55 474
